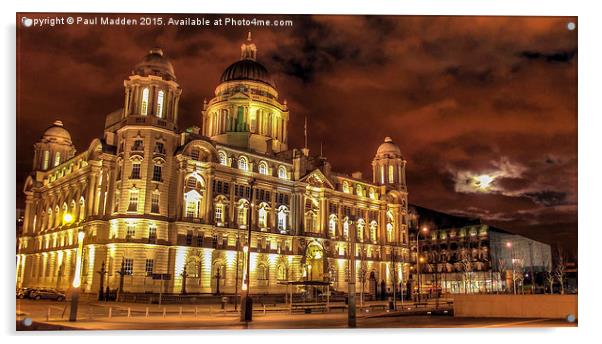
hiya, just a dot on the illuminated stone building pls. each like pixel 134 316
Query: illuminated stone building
pixel 151 199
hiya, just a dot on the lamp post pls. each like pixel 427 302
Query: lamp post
pixel 425 230
pixel 246 307
pixel 77 278
pixel 351 318
pixel 102 272
pixel 509 245
pixel 237 267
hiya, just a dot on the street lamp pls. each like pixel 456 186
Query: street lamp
pixel 418 258
pixel 246 307
pixel 77 278
pixel 509 245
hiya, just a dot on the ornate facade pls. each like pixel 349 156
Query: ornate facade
pixel 148 198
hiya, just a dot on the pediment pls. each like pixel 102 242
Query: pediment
pixel 317 179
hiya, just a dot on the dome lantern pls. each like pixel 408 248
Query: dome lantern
pixel 388 166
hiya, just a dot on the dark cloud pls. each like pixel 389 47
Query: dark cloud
pixel 458 94
pixel 559 56
pixel 547 198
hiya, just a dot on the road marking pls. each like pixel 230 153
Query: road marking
pixel 516 323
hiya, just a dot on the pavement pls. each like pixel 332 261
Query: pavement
pixel 49 315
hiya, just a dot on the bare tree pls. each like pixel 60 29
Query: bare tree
pixel 560 270
pixel 501 268
pixel 550 277
pixel 518 274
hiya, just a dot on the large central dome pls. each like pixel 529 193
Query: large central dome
pixel 247 68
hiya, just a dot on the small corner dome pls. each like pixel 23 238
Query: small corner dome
pixel 388 148
pixel 56 132
pixel 155 63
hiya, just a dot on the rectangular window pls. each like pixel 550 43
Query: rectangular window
pixel 138 146
pixel 46 160
pixel 135 171
pixel 195 154
pixel 117 199
pixel 133 206
pixel 57 158
pixel 155 203
pixel 150 264
pixel 157 173
pixel 131 232
pixel 226 188
pixel 199 240
pixel 219 214
pixel 189 239
pixel 159 148
pixel 152 234
pixel 128 266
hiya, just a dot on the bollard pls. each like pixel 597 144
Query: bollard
pixel 195 311
pixel 180 312
pixel 164 312
pixel 110 312
pixel 264 309
pixel 146 312
pixel 129 312
pixel 48 314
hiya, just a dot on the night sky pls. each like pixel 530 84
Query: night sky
pixel 462 96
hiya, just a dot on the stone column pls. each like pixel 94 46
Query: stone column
pixel 209 198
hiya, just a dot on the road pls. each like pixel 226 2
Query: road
pixel 37 310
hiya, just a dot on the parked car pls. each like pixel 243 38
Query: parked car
pixel 23 293
pixel 47 294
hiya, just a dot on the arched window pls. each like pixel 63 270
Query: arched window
pixel 262 216
pixel 282 218
pixel 223 158
pixel 243 163
pixel 361 224
pixel 57 158
pixel 282 172
pixel 263 168
pixel 382 174
pixel 346 188
pixel 160 97
pixel 373 226
pixel 346 228
pixel 192 201
pixel 373 194
pixel 82 210
pixel 192 182
pixel 391 174
pixel 282 274
pixel 193 269
pixel 389 232
pixel 332 226
pixel 242 213
pixel 262 275
pixel 144 104
pixel 359 190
